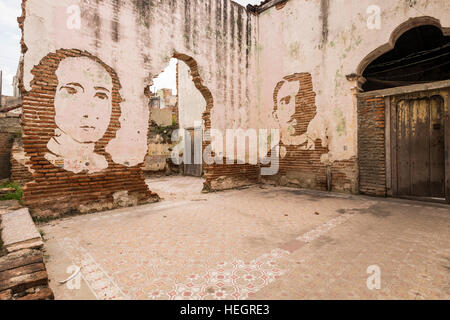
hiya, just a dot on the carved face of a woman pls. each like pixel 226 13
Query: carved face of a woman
pixel 83 99
pixel 83 108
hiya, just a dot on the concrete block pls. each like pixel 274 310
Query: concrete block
pixel 19 231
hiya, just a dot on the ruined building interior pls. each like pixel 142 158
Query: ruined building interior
pixel 234 71
pixel 360 101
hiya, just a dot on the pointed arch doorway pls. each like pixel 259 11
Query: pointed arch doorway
pixel 406 98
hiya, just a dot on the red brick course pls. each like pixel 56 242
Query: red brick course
pixel 371 146
pixel 19 172
pixel 54 190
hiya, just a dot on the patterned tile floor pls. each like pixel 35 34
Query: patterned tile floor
pixel 256 243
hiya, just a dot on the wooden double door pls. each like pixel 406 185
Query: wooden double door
pixel 419 145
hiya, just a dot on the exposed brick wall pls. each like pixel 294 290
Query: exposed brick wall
pixel 371 145
pixel 9 128
pixel 226 176
pixel 344 176
pixel 304 168
pixel 19 171
pixel 54 190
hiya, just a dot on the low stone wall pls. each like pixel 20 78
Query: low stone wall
pixel 228 176
pixel 79 182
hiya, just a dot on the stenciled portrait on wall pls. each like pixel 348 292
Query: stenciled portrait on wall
pixel 73 109
pixel 293 112
pixel 303 134
pixel 83 106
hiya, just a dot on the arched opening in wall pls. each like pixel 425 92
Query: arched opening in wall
pixel 179 107
pixel 420 55
pixel 403 114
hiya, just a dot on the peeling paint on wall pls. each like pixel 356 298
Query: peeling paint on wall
pixel 237 58
pixel 70 116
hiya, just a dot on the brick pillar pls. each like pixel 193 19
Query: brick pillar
pixel 371 145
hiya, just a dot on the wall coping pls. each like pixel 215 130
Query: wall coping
pixel 266 5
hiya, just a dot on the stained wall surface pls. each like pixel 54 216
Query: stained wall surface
pixel 138 38
pixel 102 55
pixel 329 40
pixel 191 103
pixel 294 67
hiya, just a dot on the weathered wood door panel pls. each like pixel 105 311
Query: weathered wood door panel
pixel 403 143
pixel 420 147
pixel 437 146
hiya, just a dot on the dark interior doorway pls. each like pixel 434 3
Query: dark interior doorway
pixel 420 55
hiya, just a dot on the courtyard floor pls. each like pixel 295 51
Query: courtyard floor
pixel 261 242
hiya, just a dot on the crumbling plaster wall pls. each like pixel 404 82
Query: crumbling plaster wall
pixel 329 39
pixel 191 103
pixel 137 39
pixel 240 63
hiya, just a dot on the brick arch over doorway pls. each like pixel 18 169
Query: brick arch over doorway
pixel 196 109
pixel 218 176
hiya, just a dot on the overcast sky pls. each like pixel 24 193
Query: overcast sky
pixel 9 42
pixel 10 45
pixel 246 2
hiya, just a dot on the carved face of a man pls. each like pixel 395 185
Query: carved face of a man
pixel 83 99
pixel 286 102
